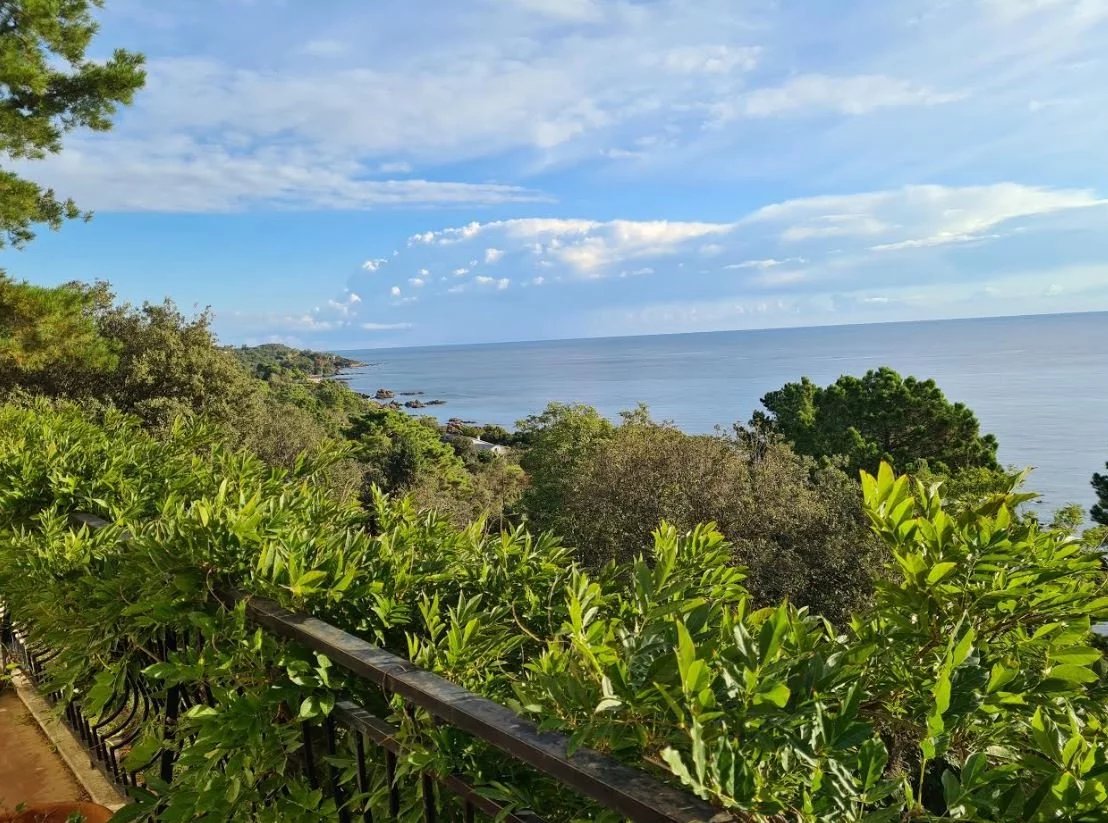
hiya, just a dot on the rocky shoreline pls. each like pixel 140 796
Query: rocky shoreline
pixel 388 397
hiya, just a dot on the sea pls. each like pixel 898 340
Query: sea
pixel 1039 383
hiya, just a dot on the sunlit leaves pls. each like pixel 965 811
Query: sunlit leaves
pixel 973 689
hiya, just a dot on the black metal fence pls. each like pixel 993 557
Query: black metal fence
pixel 358 734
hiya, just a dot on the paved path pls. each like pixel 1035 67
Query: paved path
pixel 30 769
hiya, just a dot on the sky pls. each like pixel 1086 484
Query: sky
pixel 348 174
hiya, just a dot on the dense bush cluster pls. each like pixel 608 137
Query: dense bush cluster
pixel 972 688
pixel 796 528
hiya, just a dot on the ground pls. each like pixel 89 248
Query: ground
pixel 30 770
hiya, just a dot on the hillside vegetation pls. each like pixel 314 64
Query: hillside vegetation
pixel 837 611
pixel 970 687
pixel 275 358
pixel 716 609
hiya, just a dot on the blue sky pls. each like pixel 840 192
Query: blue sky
pixel 353 174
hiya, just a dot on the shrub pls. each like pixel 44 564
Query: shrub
pixel 798 530
pixel 972 688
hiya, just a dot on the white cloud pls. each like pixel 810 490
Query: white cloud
pixel 500 284
pixel 586 246
pixel 1082 11
pixel 710 59
pixel 781 277
pixel 918 216
pixel 836 225
pixel 308 124
pixel 395 291
pixel 345 307
pixel 801 244
pixel 493 255
pixel 767 263
pixel 384 326
pixel 416 282
pixel 183 174
pixel 858 94
pixel 564 10
pixel 374 265
pixel 530 87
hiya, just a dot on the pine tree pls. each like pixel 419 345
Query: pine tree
pixel 49 87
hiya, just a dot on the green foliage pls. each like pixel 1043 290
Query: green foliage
pixel 970 487
pixel 1099 511
pixel 169 365
pixel 191 521
pixel 972 689
pixel 73 342
pixel 1068 518
pixel 497 434
pixel 985 636
pixel 879 417
pixel 559 441
pixel 405 452
pixel 798 531
pixel 269 359
pixel 49 340
pixel 49 87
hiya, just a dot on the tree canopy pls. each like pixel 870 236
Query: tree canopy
pixel 879 417
pixel 49 338
pixel 49 86
pixel 1099 511
pixel 404 451
pixel 798 530
pixel 559 440
pixel 275 358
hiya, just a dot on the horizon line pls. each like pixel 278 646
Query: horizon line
pixel 347 350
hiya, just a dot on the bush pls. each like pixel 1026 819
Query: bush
pixel 799 531
pixel 972 689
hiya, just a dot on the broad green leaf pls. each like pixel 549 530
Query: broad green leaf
pixel 1073 674
pixel 940 570
pixel 1077 655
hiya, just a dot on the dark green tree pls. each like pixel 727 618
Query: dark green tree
pixel 798 530
pixel 558 441
pixel 401 451
pixel 74 342
pixel 880 416
pixel 49 339
pixel 48 86
pixel 1099 512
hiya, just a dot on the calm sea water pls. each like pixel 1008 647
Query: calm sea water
pixel 1040 384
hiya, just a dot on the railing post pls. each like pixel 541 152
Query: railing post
pixel 172 709
pixel 5 634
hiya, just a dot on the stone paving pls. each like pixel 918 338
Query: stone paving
pixel 30 769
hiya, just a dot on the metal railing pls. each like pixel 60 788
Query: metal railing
pixel 354 730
